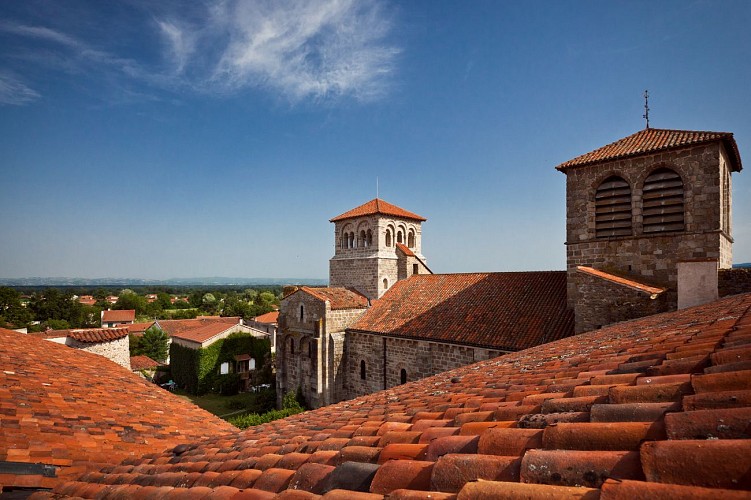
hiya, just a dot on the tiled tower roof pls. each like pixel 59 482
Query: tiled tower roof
pixel 378 206
pixel 653 408
pixel 652 140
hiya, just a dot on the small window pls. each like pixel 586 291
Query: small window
pixel 291 346
pixel 310 349
pixel 385 283
pixel 662 202
pixel 224 368
pixel 363 239
pixel 369 238
pixel 252 364
pixel 411 239
pixel 613 208
pixel 362 369
pixel 403 376
pixel 399 238
pixel 302 312
pixel 388 237
pixel 415 269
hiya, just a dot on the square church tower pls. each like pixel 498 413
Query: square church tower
pixel 640 208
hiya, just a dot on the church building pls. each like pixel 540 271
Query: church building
pixel 648 230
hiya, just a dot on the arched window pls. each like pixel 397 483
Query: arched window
pixel 662 202
pixel 613 208
pixel 388 237
pixel 399 238
pixel 385 283
pixel 344 240
pixel 310 349
pixel 351 240
pixel 291 345
pixel 302 312
pixel 411 239
pixel 362 369
pixel 403 376
pixel 363 239
pixel 369 238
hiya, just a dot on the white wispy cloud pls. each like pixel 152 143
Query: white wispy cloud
pixel 302 48
pixel 14 92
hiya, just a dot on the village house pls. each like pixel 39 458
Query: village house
pixel 115 317
pixel 268 323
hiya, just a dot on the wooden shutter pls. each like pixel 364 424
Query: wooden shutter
pixel 613 208
pixel 662 202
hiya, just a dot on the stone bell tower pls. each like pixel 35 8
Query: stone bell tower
pixel 375 245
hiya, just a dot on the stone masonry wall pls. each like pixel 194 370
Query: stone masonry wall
pixel 115 350
pixel 610 303
pixel 420 359
pixel 653 256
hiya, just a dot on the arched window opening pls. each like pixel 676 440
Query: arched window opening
pixel 362 369
pixel 388 237
pixel 291 346
pixel 399 238
pixel 363 239
pixel 613 208
pixel 344 240
pixel 369 238
pixel 351 240
pixel 310 349
pixel 403 376
pixel 662 202
pixel 411 239
pixel 302 312
pixel 385 283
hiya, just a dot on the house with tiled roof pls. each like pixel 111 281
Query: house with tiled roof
pixel 111 343
pixel 65 412
pixel 114 317
pixel 268 323
pixel 652 208
pixel 204 331
pixel 657 407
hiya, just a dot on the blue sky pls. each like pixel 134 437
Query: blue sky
pixel 161 139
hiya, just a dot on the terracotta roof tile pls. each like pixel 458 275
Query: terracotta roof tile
pixel 405 249
pixel 138 363
pixel 338 297
pixel 378 206
pixel 96 335
pixel 689 431
pixel 653 140
pixel 198 330
pixel 118 315
pixel 505 311
pixel 77 411
pixel 269 317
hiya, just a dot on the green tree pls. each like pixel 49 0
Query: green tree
pixel 131 301
pixel 154 344
pixel 12 311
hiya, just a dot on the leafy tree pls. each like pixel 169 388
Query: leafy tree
pixel 58 324
pixel 154 344
pixel 209 303
pixel 164 300
pixel 131 301
pixel 267 297
pixel 12 312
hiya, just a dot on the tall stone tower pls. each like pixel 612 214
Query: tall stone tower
pixel 376 244
pixel 648 213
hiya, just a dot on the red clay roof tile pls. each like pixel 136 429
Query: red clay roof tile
pixel 118 315
pixel 198 330
pixel 505 311
pixel 622 426
pixel 338 297
pixel 378 206
pixel 653 140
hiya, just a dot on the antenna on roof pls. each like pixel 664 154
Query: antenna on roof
pixel 646 107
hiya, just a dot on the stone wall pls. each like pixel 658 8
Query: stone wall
pixel 651 256
pixel 386 357
pixel 608 303
pixel 115 350
pixel 734 281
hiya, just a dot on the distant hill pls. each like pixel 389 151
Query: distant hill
pixel 745 264
pixel 214 281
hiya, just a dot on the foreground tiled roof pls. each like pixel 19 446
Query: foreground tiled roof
pixel 119 315
pixel 138 363
pixel 138 328
pixel 77 411
pixel 198 330
pixel 378 206
pixel 653 408
pixel 620 280
pixel 652 140
pixel 269 317
pixel 507 311
pixel 338 297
